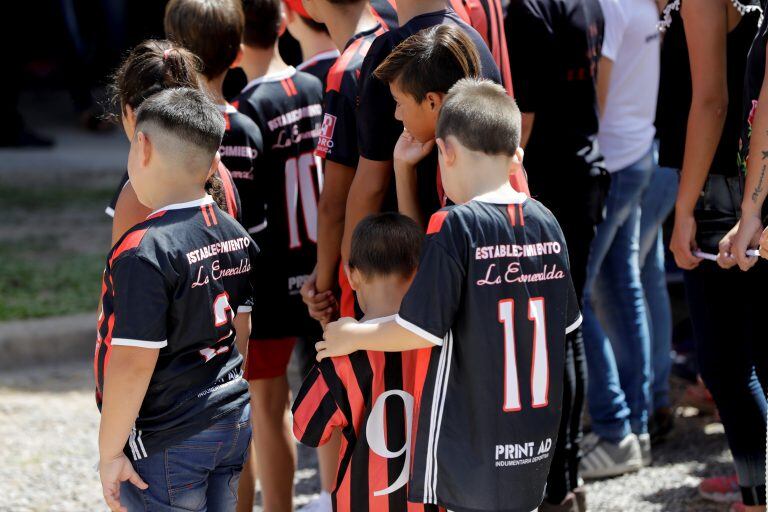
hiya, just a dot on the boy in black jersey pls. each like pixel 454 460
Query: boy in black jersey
pixel 280 212
pixel 317 48
pixel 175 318
pixel 213 30
pixel 368 395
pixel 493 296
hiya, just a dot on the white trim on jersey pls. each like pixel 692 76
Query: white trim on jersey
pixel 137 445
pixel 206 199
pixel 109 211
pixel 125 342
pixel 258 228
pixel 244 309
pixel 274 77
pixel 503 196
pixel 379 320
pixel 326 55
pixel 227 109
pixel 575 325
pixel 418 331
pixel 436 419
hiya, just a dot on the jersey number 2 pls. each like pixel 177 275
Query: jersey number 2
pixel 300 186
pixel 540 364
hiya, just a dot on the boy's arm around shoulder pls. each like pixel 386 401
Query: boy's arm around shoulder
pixel 346 336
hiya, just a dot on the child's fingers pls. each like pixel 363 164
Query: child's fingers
pixel 112 497
pixel 136 480
pixel 321 345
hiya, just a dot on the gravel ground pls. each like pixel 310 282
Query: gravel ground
pixel 48 428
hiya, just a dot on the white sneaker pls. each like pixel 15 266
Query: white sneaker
pixel 603 459
pixel 645 449
pixel 320 504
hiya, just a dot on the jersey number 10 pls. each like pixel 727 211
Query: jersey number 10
pixel 300 186
pixel 540 363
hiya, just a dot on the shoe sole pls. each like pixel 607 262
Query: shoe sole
pixel 611 472
pixel 721 497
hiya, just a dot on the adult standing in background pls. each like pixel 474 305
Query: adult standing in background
pixel 554 48
pixel 616 335
pixel 731 354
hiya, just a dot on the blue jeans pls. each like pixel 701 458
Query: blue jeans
pixel 201 473
pixel 658 201
pixel 616 336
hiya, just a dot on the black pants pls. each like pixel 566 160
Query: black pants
pixel 727 308
pixel 578 221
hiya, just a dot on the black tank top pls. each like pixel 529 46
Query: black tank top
pixel 675 96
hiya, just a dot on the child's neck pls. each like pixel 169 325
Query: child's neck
pixel 384 298
pixel 352 20
pixel 314 43
pixel 165 194
pixel 214 88
pixel 411 8
pixel 261 62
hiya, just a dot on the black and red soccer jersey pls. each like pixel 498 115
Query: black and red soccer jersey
pixel 386 12
pixel 319 65
pixel 174 283
pixel 338 139
pixel 378 130
pixel 493 291
pixel 282 203
pixel 369 397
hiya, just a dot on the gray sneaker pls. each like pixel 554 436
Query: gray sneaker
pixel 603 459
pixel 645 448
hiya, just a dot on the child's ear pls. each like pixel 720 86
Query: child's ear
pixel 434 101
pixel 283 23
pixel 354 277
pixel 238 58
pixel 145 148
pixel 447 151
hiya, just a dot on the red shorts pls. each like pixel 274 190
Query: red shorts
pixel 268 359
pixel 347 300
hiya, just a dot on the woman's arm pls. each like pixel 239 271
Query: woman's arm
pixel 706 29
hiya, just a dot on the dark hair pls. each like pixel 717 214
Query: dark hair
pixel 431 61
pixel 386 243
pixel 150 67
pixel 262 22
pixel 186 113
pixel 482 116
pixel 211 29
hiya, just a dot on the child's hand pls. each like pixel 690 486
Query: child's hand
pixel 113 472
pixel 339 339
pixel 322 306
pixel 409 151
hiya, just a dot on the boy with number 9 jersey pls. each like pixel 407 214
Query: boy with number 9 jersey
pixel 369 395
pixel 176 295
pixel 493 298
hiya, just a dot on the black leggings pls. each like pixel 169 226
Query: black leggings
pixel 727 308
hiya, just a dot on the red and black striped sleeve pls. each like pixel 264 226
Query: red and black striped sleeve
pixel 315 411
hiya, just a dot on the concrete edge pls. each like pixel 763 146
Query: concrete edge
pixel 47 340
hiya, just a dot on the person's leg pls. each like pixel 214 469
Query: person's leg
pixel 725 310
pixel 223 480
pixel 246 489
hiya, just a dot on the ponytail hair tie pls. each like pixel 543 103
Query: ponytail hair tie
pixel 165 53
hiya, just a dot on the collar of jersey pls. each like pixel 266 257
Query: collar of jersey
pixel 507 197
pixel 330 54
pixel 274 77
pixel 227 109
pixel 379 320
pixel 207 199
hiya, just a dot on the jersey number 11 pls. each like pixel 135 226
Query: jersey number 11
pixel 540 363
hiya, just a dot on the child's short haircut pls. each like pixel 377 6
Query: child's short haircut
pixel 187 114
pixel 482 116
pixel 262 22
pixel 385 244
pixel 431 61
pixel 211 29
pixel 150 67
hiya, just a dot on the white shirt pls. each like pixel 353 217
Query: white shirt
pixel 632 42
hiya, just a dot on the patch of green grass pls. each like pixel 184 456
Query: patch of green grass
pixel 34 285
pixel 51 197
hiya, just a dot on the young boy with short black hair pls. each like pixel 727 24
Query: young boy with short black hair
pixel 317 48
pixel 494 299
pixel 369 396
pixel 281 215
pixel 176 295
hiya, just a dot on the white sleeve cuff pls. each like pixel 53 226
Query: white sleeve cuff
pixel 109 211
pixel 244 309
pixel 575 325
pixel 124 342
pixel 418 331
